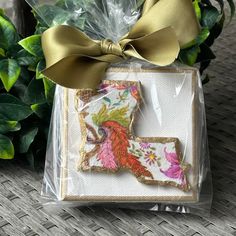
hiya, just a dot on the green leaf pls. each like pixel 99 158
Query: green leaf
pixel 49 88
pixel 2 52
pixel 26 139
pixel 21 84
pixel 32 67
pixel 8 34
pixel 210 16
pixel 24 58
pixel 13 51
pixel 107 100
pixel 19 89
pixel 41 24
pixel 40 21
pixel 60 14
pixel 33 45
pixel 53 15
pixel 189 56
pixel 204 34
pixel 215 31
pixel 9 126
pixel 197 9
pixel 9 72
pixel 35 92
pixel 40 67
pixel 43 111
pixel 12 108
pixel 205 54
pixel 25 76
pixel 6 148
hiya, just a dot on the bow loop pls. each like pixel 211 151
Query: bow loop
pixel 159 48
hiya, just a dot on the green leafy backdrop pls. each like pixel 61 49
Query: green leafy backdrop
pixel 26 96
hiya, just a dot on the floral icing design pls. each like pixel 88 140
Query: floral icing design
pixel 176 170
pixel 110 146
pixel 144 146
pixel 147 151
pixel 106 156
pixel 150 157
pixel 123 94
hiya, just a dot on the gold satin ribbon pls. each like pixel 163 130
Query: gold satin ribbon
pixel 74 60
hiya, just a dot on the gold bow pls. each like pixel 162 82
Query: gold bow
pixel 76 61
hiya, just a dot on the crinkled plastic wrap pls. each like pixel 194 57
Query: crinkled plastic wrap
pixel 138 141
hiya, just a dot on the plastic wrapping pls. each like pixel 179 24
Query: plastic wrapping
pixel 100 19
pixel 139 140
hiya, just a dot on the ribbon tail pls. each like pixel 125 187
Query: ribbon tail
pixel 77 72
pixel 160 48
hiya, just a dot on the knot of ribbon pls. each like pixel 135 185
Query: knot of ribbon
pixel 108 47
pixel 74 60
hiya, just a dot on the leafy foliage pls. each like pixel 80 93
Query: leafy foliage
pixel 119 115
pixel 212 22
pixel 25 97
pixel 9 72
pixel 6 147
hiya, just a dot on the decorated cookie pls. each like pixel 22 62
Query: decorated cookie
pixel 109 144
